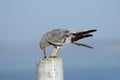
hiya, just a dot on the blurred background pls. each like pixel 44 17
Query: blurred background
pixel 23 22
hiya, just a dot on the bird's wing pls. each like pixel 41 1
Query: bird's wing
pixel 81 44
pixel 56 37
pixel 85 32
pixel 54 42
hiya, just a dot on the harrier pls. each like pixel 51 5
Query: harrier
pixel 59 37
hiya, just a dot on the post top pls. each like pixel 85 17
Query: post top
pixel 50 59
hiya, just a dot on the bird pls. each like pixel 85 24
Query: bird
pixel 58 37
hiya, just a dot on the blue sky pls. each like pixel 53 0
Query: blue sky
pixel 29 18
pixel 23 22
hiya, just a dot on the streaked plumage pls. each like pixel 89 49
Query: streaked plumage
pixel 59 37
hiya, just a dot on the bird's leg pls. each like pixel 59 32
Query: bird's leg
pixel 53 55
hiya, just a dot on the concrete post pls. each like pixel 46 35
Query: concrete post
pixel 50 69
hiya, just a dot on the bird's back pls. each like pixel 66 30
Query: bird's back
pixel 56 36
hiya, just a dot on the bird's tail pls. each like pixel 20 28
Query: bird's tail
pixel 84 34
pixel 81 44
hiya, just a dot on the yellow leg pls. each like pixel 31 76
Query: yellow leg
pixel 53 55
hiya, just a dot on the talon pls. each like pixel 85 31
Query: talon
pixel 52 56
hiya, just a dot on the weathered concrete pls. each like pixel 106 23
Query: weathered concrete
pixel 50 69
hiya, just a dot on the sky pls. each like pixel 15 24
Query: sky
pixel 23 22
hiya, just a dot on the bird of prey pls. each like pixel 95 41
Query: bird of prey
pixel 59 37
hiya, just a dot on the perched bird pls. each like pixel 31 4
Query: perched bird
pixel 58 37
